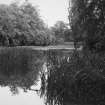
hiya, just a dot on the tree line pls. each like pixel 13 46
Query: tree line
pixel 22 25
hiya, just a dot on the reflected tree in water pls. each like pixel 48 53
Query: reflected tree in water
pixel 19 68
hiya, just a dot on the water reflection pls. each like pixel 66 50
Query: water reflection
pixel 61 76
pixel 29 98
pixel 19 67
pixel 24 67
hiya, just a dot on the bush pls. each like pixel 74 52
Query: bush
pixel 43 39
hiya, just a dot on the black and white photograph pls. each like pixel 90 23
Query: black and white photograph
pixel 52 52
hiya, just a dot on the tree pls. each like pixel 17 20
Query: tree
pixel 60 29
pixel 20 24
pixel 80 77
pixel 87 23
pixel 68 35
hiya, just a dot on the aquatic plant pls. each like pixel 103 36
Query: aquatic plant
pixel 79 80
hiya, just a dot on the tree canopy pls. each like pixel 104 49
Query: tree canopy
pixel 87 18
pixel 62 32
pixel 20 24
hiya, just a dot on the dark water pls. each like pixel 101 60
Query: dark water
pixel 19 65
pixel 58 76
pixel 20 61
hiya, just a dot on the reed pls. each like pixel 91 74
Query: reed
pixel 77 81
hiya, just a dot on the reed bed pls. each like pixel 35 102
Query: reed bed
pixel 77 81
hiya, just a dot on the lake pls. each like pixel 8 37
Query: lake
pixel 21 64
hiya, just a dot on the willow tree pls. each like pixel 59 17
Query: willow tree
pixel 87 18
pixel 79 79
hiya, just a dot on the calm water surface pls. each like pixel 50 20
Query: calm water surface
pixel 31 98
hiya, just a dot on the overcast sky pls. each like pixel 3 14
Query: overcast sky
pixel 50 10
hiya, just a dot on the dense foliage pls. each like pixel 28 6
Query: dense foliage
pixel 87 20
pixel 74 78
pixel 79 78
pixel 22 25
pixel 62 32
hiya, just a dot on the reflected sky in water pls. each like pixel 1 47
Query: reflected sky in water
pixel 29 98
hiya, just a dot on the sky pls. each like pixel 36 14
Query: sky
pixel 50 10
